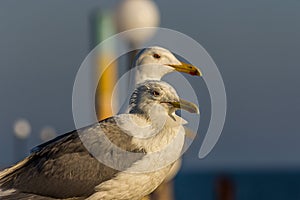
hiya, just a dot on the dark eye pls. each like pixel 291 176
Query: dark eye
pixel 156 55
pixel 155 93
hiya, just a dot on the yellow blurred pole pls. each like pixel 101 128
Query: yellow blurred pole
pixel 105 87
pixel 104 29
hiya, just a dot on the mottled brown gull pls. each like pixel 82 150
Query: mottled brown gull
pixel 72 165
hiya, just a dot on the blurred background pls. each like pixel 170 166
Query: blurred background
pixel 255 45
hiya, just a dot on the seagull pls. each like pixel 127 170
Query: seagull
pixel 71 166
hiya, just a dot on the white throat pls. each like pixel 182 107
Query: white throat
pixel 151 72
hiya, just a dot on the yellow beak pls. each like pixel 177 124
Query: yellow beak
pixel 187 68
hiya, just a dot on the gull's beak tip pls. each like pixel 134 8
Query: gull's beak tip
pixel 189 106
pixel 194 109
pixel 197 111
pixel 197 72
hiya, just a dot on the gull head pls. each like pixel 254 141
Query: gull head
pixel 156 99
pixel 153 63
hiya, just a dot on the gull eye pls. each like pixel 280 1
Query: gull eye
pixel 157 56
pixel 155 93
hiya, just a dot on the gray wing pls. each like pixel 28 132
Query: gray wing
pixel 13 195
pixel 63 168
